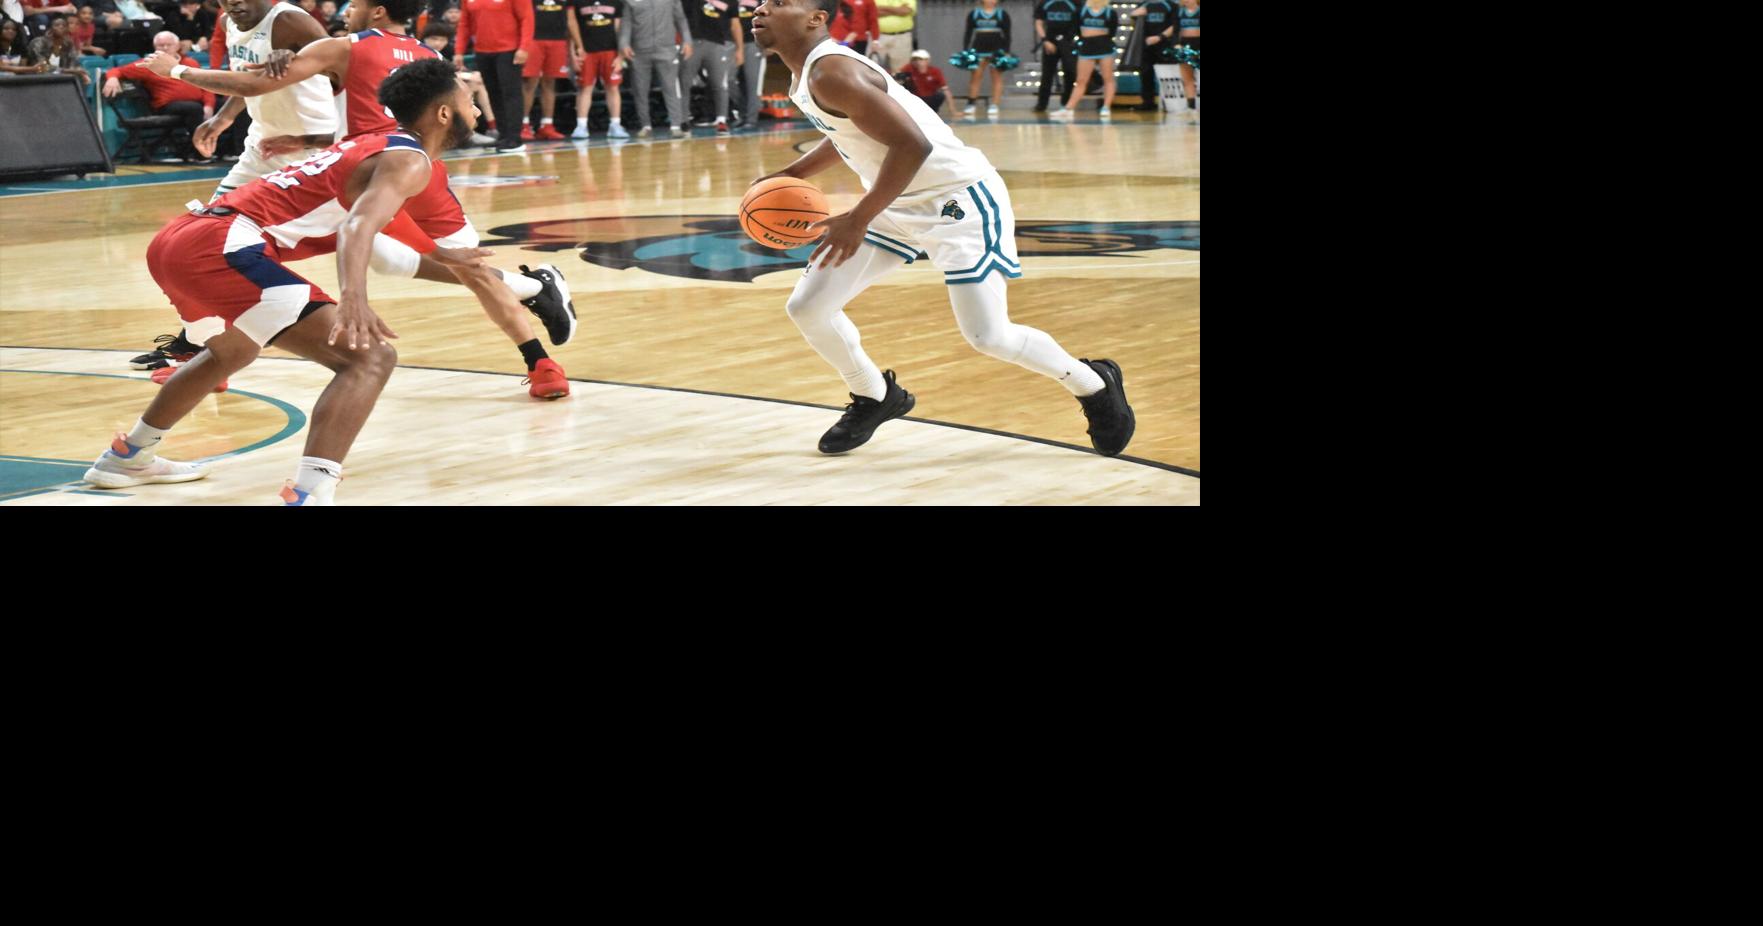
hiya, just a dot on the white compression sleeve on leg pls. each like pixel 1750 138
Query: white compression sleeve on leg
pixel 818 308
pixel 983 313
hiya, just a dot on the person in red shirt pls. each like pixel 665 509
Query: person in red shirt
pixel 925 81
pixel 360 63
pixel 221 266
pixel 501 33
pixel 85 30
pixel 38 12
pixel 169 97
pixel 548 63
pixel 856 25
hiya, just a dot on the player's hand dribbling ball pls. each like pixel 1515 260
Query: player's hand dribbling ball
pixel 777 211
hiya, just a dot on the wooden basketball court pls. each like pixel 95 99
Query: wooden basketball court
pixel 691 385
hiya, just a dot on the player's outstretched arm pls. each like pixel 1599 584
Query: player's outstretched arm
pixel 329 57
pixel 397 176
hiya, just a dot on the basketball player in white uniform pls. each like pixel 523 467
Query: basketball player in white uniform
pixel 301 120
pixel 304 111
pixel 926 192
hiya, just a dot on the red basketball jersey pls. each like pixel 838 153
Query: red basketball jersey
pixel 372 55
pixel 307 202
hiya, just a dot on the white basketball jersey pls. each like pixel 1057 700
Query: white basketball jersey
pixel 951 164
pixel 305 108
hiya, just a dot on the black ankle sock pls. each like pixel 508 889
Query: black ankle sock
pixel 533 353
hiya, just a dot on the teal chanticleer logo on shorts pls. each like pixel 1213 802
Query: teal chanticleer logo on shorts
pixel 953 208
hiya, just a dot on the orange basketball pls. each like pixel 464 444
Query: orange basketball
pixel 777 212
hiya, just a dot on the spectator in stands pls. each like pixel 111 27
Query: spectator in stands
pixel 12 50
pixel 311 8
pixel 126 26
pixel 327 11
pixel 37 13
pixel 168 97
pixel 439 36
pixel 58 51
pixel 337 28
pixel 925 81
pixel 85 32
pixel 132 11
pixel 192 24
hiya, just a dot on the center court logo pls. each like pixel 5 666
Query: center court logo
pixel 713 247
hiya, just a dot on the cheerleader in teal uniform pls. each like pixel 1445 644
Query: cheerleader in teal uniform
pixel 1096 24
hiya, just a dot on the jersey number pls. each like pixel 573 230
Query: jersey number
pixel 311 167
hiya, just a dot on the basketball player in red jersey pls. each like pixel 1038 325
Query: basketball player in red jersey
pixel 221 266
pixel 357 64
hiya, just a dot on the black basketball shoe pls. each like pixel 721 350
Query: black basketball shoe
pixel 864 415
pixel 172 349
pixel 1111 419
pixel 552 305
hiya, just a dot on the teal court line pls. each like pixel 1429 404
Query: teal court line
pixel 296 418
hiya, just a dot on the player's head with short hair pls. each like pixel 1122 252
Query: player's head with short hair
pixel 362 14
pixel 428 95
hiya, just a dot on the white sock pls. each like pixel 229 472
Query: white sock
pixel 318 476
pixel 544 121
pixel 144 438
pixel 524 287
